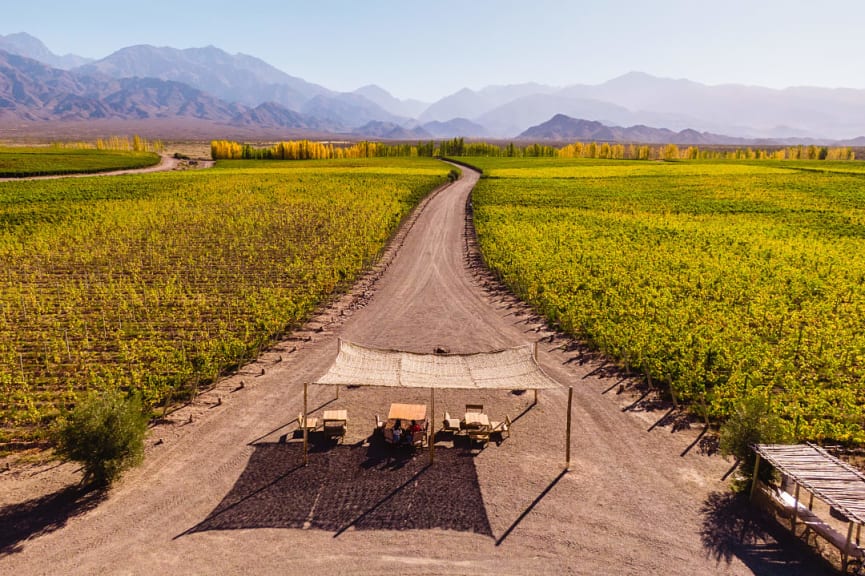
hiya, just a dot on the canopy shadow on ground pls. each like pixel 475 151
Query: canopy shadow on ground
pixel 360 487
pixel 732 527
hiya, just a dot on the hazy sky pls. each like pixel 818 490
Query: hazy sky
pixel 429 49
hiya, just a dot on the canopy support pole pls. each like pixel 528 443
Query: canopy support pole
pixel 305 427
pixel 337 391
pixel 431 428
pixel 845 557
pixel 535 357
pixel 754 478
pixel 568 431
pixel 795 510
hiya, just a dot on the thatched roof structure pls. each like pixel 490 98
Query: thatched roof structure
pixel 833 481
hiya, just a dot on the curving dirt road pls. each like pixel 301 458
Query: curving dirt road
pixel 166 164
pixel 631 504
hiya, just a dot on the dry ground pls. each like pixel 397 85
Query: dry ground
pixel 221 489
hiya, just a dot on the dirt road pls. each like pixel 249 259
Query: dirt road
pixel 166 164
pixel 206 500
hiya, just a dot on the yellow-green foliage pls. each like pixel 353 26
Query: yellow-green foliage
pixel 458 147
pixel 115 143
pixel 721 281
pixel 309 150
pixel 19 162
pixel 160 282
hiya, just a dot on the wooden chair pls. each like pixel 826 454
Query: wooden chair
pixel 379 426
pixel 501 428
pixel 334 430
pixel 480 435
pixel 451 424
pixel 418 440
pixel 478 408
pixel 310 424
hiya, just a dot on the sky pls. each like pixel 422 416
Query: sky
pixel 427 50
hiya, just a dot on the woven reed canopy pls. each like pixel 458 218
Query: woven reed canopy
pixel 833 481
pixel 509 369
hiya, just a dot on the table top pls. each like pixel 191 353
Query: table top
pixel 335 415
pixel 407 412
pixel 477 419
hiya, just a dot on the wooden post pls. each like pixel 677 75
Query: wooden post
pixel 845 556
pixel 568 432
pixel 431 429
pixel 337 391
pixel 305 428
pixel 795 510
pixel 535 356
pixel 754 478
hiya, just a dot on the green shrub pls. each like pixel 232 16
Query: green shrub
pixel 752 422
pixel 105 432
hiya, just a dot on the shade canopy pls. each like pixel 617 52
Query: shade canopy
pixel 509 369
pixel 835 482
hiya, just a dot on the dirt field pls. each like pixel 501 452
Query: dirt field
pixel 222 490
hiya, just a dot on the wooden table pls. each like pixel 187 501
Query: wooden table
pixel 476 420
pixel 334 423
pixel 335 416
pixel 407 412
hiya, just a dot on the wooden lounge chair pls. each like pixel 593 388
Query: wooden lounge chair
pixel 379 423
pixel 450 424
pixel 479 408
pixel 502 428
pixel 311 423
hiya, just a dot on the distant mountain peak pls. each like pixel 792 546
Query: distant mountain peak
pixel 24 44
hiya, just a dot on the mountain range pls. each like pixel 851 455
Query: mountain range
pixel 223 91
pixel 561 128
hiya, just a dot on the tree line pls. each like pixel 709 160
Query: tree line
pixel 458 147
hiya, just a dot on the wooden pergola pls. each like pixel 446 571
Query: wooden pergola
pixel 838 484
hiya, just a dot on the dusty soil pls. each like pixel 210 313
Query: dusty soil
pixel 222 489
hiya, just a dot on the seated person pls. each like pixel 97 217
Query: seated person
pixel 397 432
pixel 414 432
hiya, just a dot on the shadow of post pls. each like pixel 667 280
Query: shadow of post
pixel 25 520
pixel 531 506
pixel 524 412
pixel 289 423
pixel 378 504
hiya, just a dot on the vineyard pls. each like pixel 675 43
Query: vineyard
pixel 162 282
pixel 17 162
pixel 716 280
